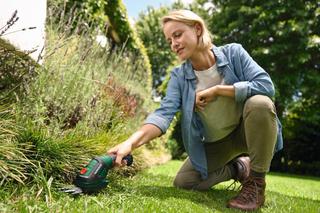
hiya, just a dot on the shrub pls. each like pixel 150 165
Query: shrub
pixel 17 69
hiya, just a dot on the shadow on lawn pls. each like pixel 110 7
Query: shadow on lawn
pixel 277 202
pixel 213 199
pixel 288 175
pixel 217 197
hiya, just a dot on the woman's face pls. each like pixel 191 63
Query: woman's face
pixel 182 38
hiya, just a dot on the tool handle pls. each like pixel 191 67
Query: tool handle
pixel 128 158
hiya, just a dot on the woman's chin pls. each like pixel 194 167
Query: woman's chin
pixel 182 57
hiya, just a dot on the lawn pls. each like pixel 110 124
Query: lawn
pixel 151 191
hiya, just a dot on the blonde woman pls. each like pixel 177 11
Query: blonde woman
pixel 230 129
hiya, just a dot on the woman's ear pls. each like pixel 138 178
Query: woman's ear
pixel 198 29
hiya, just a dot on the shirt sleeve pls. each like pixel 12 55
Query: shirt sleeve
pixel 254 79
pixel 171 103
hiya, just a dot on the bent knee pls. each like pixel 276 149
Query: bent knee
pixel 185 181
pixel 180 182
pixel 259 103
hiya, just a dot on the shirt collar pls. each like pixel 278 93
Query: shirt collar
pixel 221 60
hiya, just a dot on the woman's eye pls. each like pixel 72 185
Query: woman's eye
pixel 176 35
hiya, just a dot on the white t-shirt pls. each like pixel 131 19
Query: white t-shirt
pixel 221 116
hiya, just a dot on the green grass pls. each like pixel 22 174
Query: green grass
pixel 151 191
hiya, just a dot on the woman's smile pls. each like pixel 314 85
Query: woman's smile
pixel 179 51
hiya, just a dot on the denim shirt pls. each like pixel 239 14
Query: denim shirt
pixel 237 68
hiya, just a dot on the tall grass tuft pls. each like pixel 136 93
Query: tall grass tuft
pixel 13 161
pixel 59 158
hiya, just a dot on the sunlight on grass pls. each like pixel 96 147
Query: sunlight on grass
pixel 152 191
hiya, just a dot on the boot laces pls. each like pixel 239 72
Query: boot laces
pixel 249 191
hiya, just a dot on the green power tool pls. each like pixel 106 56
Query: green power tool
pixel 92 178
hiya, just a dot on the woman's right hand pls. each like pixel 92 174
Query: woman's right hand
pixel 142 136
pixel 204 97
pixel 120 151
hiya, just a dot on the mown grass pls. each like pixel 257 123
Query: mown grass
pixel 152 191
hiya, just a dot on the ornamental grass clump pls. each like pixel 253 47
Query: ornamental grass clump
pixel 13 162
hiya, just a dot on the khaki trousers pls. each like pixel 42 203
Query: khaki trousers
pixel 255 136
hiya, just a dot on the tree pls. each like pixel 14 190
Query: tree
pixel 159 52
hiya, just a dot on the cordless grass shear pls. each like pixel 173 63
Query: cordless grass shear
pixel 93 177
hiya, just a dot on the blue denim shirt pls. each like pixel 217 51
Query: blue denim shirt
pixel 238 69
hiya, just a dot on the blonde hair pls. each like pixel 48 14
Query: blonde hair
pixel 190 18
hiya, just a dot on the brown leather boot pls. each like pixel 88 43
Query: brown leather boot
pixel 242 165
pixel 251 196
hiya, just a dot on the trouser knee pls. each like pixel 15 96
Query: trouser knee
pixel 181 182
pixel 260 131
pixel 260 104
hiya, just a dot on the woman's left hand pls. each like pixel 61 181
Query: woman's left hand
pixel 204 97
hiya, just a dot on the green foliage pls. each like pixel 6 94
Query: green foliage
pixel 78 93
pixel 83 100
pixel 13 162
pixel 123 33
pixel 109 18
pixel 150 31
pixel 152 191
pixel 302 130
pixel 175 144
pixel 72 88
pixel 88 14
pixel 17 69
pixel 58 158
pixel 159 52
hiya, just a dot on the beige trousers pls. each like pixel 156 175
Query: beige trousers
pixel 255 136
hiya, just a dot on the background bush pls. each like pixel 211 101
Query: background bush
pixel 110 19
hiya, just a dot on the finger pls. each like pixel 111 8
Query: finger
pixel 124 162
pixel 112 151
pixel 200 102
pixel 119 160
pixel 202 105
pixel 200 108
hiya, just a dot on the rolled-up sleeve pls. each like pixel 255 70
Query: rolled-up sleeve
pixel 254 80
pixel 241 90
pixel 171 103
pixel 162 123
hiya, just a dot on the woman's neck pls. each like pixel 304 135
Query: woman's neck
pixel 203 60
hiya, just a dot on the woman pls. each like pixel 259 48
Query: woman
pixel 227 112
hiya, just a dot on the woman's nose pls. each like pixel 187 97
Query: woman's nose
pixel 174 45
